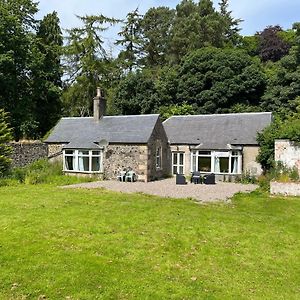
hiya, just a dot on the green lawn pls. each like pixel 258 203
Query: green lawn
pixel 95 244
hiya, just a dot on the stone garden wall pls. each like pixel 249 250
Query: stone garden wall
pixel 26 152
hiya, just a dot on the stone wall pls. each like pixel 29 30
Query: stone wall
pixel 288 153
pixel 285 188
pixel 55 152
pixel 118 157
pixel 249 161
pixel 158 138
pixel 26 152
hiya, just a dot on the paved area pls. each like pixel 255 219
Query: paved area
pixel 168 188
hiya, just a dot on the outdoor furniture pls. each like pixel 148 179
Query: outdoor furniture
pixel 196 178
pixel 131 176
pixel 121 176
pixel 209 179
pixel 180 179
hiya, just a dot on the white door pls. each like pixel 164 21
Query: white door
pixel 178 163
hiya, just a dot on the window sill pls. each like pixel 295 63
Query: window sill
pixel 83 172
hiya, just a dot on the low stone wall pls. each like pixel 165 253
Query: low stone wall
pixel 285 188
pixel 26 152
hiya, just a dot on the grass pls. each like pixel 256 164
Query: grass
pixel 95 244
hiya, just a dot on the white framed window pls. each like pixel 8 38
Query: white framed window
pixel 177 163
pixel 158 155
pixel 218 162
pixel 83 161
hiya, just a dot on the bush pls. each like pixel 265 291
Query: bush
pixel 5 149
pixel 43 172
pixel 247 178
pixel 288 129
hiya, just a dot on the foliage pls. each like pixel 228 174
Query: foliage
pixel 288 129
pixel 215 80
pixel 246 178
pixel 5 149
pixel 47 73
pixel 86 62
pixel 42 172
pixel 271 45
pixel 136 94
pixel 175 109
pixel 156 28
pixel 131 40
pixel 16 55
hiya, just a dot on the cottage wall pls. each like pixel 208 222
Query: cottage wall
pixel 288 153
pixel 26 152
pixel 118 157
pixel 187 157
pixel 158 138
pixel 55 152
pixel 250 164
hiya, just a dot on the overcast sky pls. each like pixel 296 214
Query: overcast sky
pixel 257 14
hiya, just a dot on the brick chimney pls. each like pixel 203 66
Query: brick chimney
pixel 99 105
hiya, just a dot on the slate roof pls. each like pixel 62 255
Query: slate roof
pixel 84 133
pixel 217 131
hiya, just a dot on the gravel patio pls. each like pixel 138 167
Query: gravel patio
pixel 167 188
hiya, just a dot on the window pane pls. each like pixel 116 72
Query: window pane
pixel 69 152
pixel 234 165
pixel 204 164
pixel 224 164
pixel 83 152
pixel 235 153
pixel 175 158
pixel 180 170
pixel 95 164
pixel 95 152
pixel 181 158
pixel 69 163
pixel 204 153
pixel 83 163
pixel 174 170
pixel 194 158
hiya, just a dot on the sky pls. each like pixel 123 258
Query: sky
pixel 257 14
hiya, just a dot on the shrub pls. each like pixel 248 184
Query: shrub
pixel 288 129
pixel 5 149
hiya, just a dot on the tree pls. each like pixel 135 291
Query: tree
pixel 86 63
pixel 131 40
pixel 283 88
pixel 216 80
pixel 47 73
pixel 271 45
pixel 16 39
pixel 279 129
pixel 231 25
pixel 175 109
pixel 136 94
pixel 5 137
pixel 156 27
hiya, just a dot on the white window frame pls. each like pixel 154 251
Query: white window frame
pixel 178 165
pixel 158 157
pixel 76 157
pixel 213 155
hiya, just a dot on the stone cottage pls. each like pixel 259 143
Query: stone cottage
pixel 105 145
pixel 223 144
